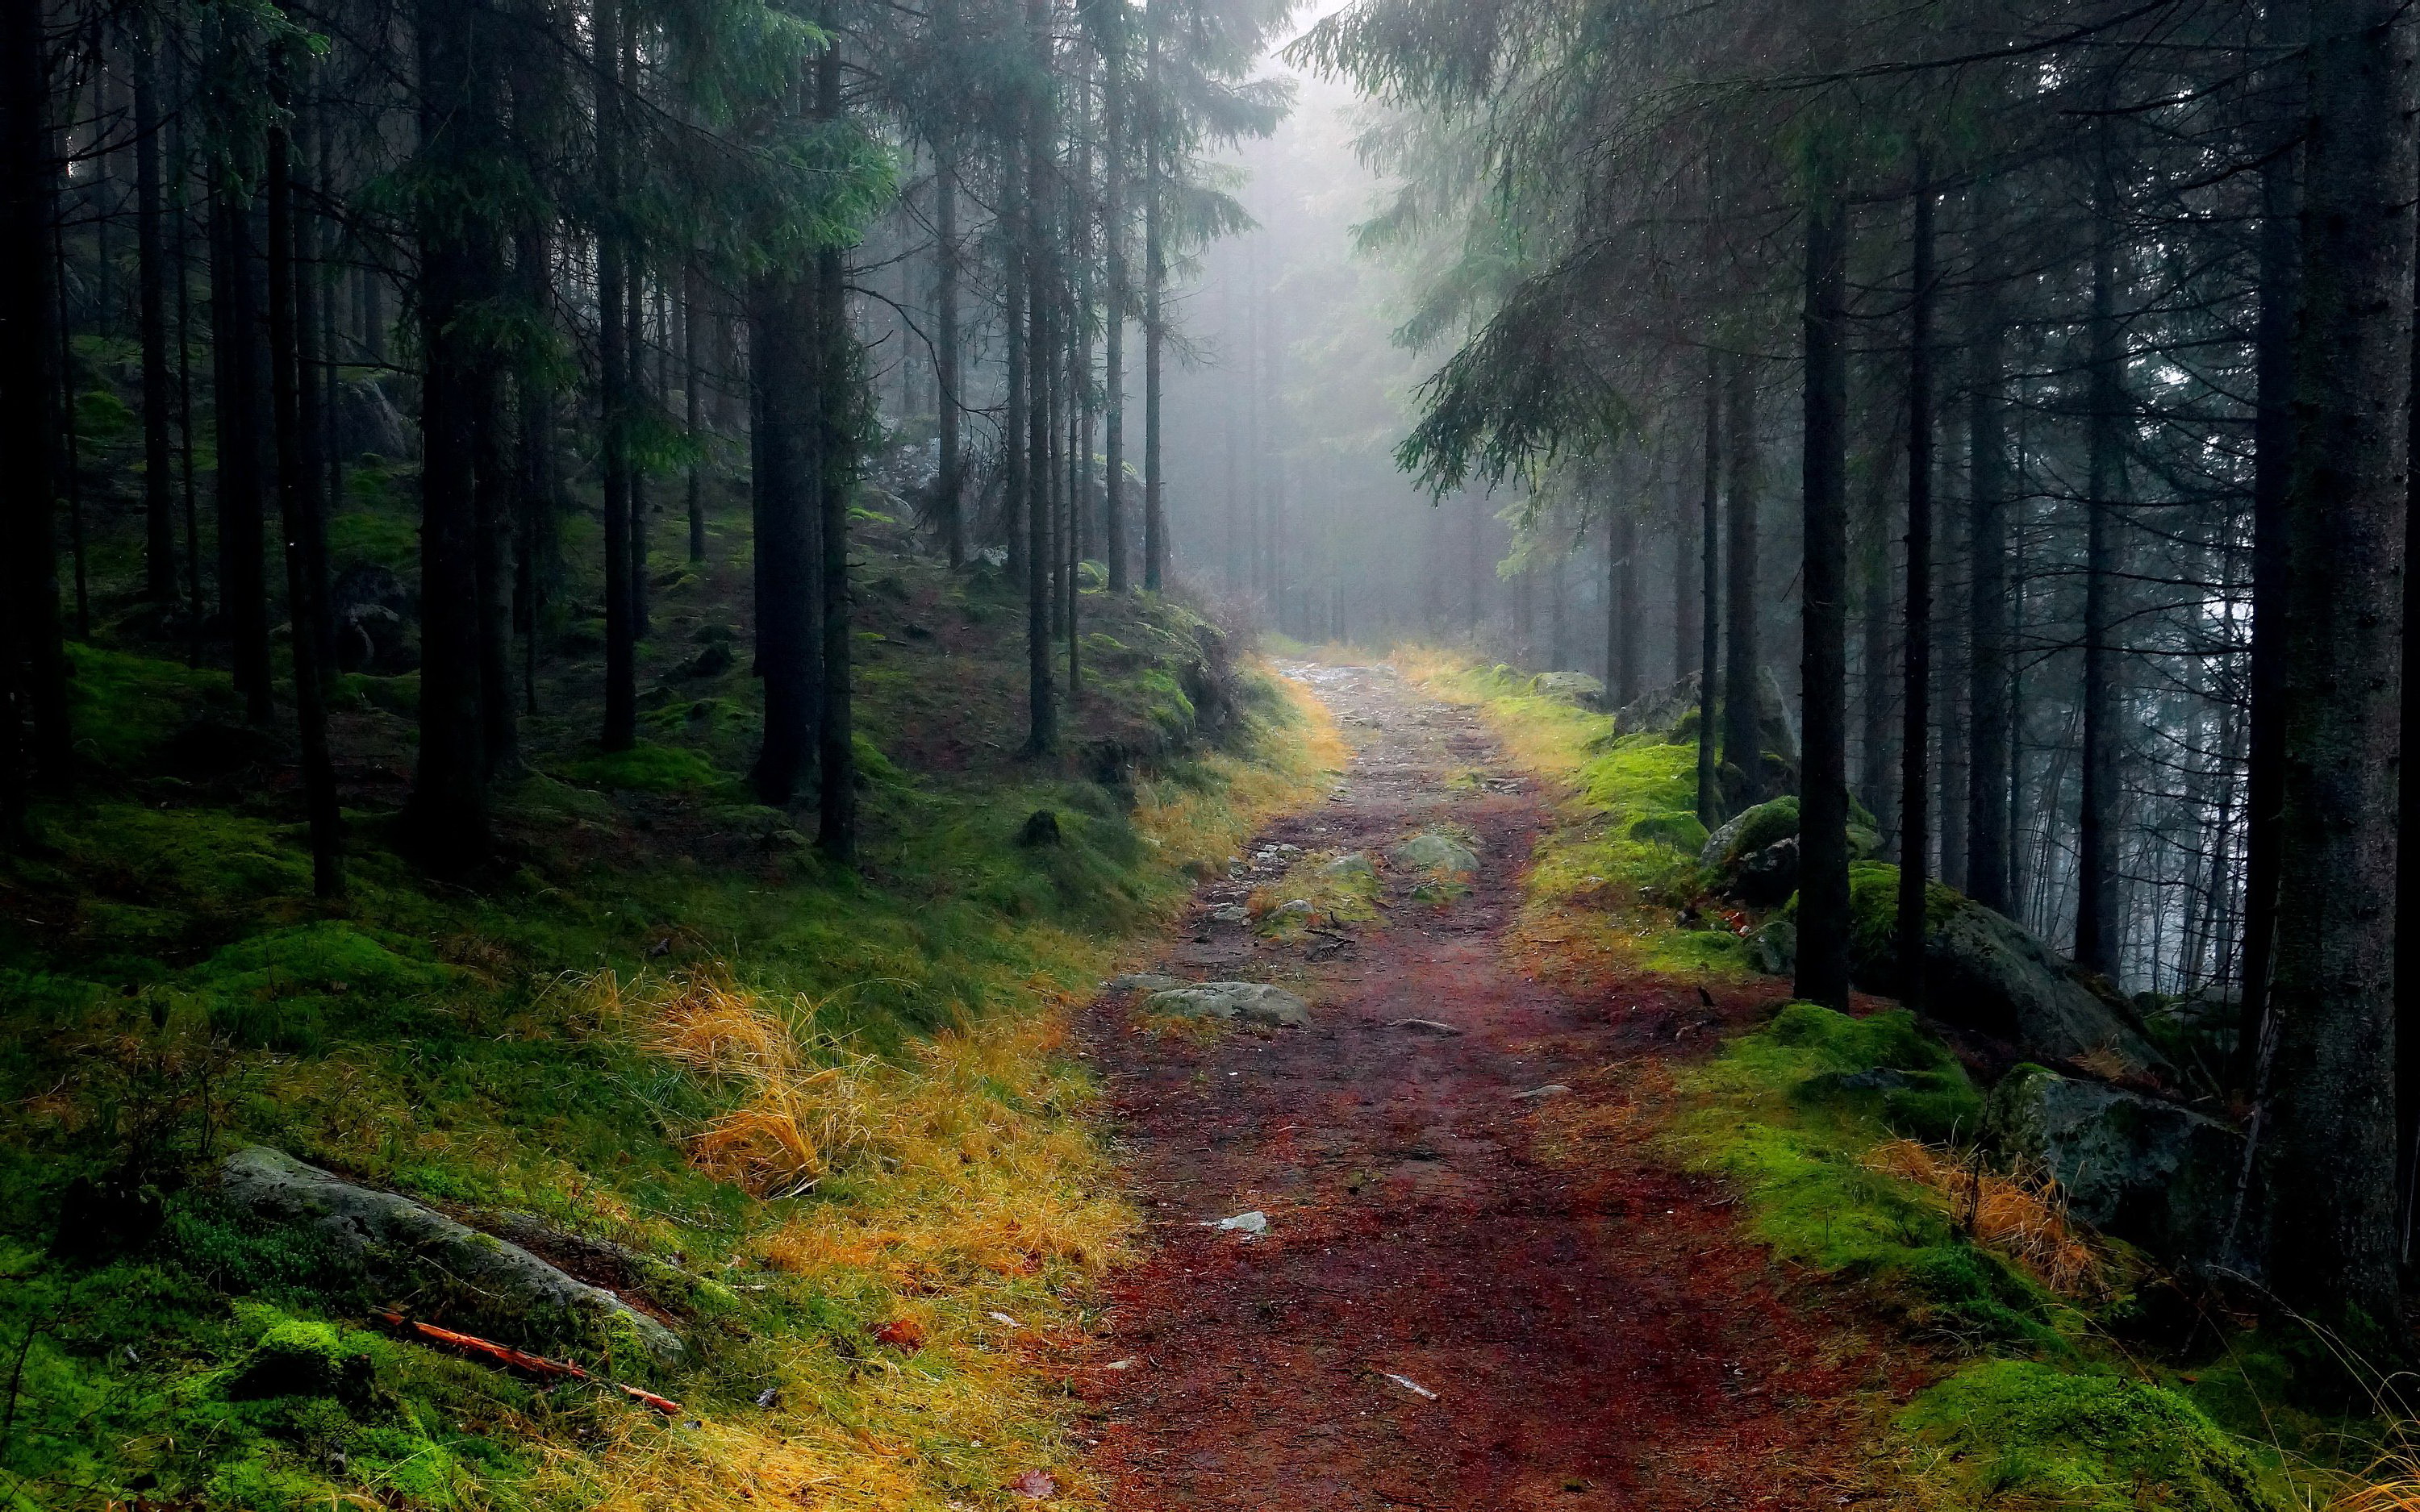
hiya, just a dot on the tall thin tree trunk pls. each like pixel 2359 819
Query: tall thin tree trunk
pixel 236 342
pixel 298 477
pixel 621 726
pixel 151 279
pixel 1917 681
pixel 1042 711
pixel 1113 318
pixel 2273 447
pixel 2097 903
pixel 1743 746
pixel 2327 1146
pixel 1987 604
pixel 1824 922
pixel 951 478
pixel 33 662
pixel 1154 274
pixel 1709 791
pixel 457 253
pixel 692 405
pixel 784 409
pixel 835 474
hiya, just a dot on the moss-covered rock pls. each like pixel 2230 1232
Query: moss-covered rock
pixel 2019 1433
pixel 2144 1169
pixel 492 1286
pixel 1988 974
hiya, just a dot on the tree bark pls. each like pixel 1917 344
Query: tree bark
pixel 298 477
pixel 1742 743
pixel 151 321
pixel 2097 916
pixel 1915 688
pixel 1154 274
pixel 458 273
pixel 1987 606
pixel 951 478
pixel 783 492
pixel 33 662
pixel 2328 1156
pixel 239 389
pixel 1823 923
pixel 2273 448
pixel 1042 710
pixel 835 473
pixel 621 726
pixel 1709 791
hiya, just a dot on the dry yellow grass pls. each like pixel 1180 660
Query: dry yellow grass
pixel 2021 1215
pixel 953 1188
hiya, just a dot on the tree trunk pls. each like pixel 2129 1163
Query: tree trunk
pixel 1042 713
pixel 152 281
pixel 1987 604
pixel 33 663
pixel 1709 791
pixel 1916 687
pixel 621 727
pixel 298 477
pixel 457 257
pixel 240 383
pixel 835 381
pixel 2328 1157
pixel 2273 465
pixel 1743 747
pixel 1154 274
pixel 1823 923
pixel 2097 904
pixel 951 478
pixel 1113 318
pixel 693 407
pixel 782 493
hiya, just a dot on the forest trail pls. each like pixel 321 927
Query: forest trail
pixel 1596 1336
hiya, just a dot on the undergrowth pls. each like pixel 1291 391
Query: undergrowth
pixel 834 1114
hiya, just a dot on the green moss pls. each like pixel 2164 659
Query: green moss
pixel 1787 1113
pixel 126 707
pixel 1760 827
pixel 650 768
pixel 2015 1433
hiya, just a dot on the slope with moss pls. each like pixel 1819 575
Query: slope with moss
pixel 824 1123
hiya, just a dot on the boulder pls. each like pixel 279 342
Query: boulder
pixel 1748 839
pixel 1664 711
pixel 1574 688
pixel 1254 1002
pixel 1773 949
pixel 1437 853
pixel 1140 981
pixel 2142 1168
pixel 481 1282
pixel 1988 974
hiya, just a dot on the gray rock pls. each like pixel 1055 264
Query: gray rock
pixel 1988 974
pixel 1254 1002
pixel 487 1284
pixel 1660 710
pixel 1142 981
pixel 1432 1026
pixel 1350 864
pixel 1231 914
pixel 1773 949
pixel 1578 688
pixel 1436 853
pixel 2151 1171
pixel 1540 1094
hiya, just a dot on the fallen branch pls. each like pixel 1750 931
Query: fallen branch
pixel 661 1404
pixel 488 1349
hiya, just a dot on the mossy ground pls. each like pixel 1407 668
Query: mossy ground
pixel 1602 887
pixel 2040 1398
pixel 171 990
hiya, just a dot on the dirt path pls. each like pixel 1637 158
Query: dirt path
pixel 1595 1338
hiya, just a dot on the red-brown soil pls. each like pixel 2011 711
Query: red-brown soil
pixel 1596 1335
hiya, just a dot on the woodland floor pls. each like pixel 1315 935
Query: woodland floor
pixel 1596 1335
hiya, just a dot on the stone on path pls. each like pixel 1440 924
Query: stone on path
pixel 1254 1002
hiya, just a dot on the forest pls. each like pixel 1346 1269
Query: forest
pixel 729 644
